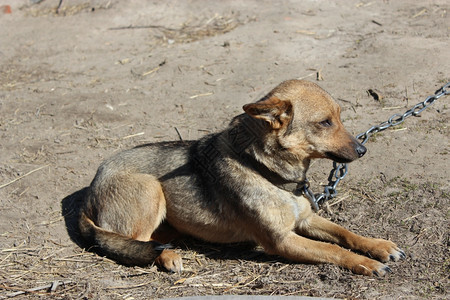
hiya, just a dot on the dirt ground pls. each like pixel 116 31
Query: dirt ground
pixel 105 75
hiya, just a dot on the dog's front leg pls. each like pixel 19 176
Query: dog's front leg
pixel 322 229
pixel 304 250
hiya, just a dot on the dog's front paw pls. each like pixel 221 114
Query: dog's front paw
pixel 370 267
pixel 170 261
pixel 384 250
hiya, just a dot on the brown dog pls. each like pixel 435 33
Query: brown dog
pixel 226 187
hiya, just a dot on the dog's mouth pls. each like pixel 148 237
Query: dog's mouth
pixel 337 158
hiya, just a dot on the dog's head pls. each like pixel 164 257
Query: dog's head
pixel 303 120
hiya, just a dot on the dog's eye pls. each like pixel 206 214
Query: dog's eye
pixel 326 123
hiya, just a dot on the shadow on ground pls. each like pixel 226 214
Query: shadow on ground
pixel 70 210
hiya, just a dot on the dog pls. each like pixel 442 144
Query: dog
pixel 227 187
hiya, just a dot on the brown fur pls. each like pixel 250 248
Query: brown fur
pixel 226 187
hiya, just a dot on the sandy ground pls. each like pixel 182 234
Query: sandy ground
pixel 102 76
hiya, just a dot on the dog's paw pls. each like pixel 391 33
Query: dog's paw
pixel 370 267
pixel 397 254
pixel 384 250
pixel 170 261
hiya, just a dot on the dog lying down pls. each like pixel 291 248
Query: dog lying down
pixel 226 188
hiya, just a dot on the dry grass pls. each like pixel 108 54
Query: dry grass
pixel 192 30
pixel 197 30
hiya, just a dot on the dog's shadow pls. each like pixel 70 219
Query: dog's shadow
pixel 246 251
pixel 71 207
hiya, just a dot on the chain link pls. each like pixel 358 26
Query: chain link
pixel 340 170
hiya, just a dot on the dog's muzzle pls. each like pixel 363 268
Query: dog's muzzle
pixel 348 154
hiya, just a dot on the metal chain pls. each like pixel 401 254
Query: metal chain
pixel 340 170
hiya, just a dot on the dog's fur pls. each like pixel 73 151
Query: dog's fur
pixel 226 187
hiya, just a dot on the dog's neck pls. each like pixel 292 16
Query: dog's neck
pixel 253 142
pixel 278 162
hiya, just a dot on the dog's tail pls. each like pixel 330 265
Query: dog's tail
pixel 118 247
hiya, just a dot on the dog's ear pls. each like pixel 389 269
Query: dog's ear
pixel 272 110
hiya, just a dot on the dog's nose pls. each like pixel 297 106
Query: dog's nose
pixel 361 150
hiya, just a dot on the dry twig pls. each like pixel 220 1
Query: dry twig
pixel 52 287
pixel 20 177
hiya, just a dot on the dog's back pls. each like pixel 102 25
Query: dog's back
pixel 180 182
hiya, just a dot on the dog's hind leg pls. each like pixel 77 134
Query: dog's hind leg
pixel 125 209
